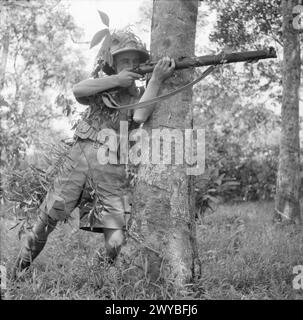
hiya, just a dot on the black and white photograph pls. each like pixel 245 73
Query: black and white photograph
pixel 151 150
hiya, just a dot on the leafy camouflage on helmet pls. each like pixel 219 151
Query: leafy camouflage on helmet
pixel 113 44
pixel 122 41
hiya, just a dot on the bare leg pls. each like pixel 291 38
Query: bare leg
pixel 113 242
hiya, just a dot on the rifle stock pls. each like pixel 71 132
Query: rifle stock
pixel 222 58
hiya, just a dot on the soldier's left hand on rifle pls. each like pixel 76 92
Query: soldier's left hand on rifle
pixel 164 68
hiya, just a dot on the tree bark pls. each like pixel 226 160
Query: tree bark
pixel 287 204
pixel 163 197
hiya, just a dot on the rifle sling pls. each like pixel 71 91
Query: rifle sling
pixel 111 103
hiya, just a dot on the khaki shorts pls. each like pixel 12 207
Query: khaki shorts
pixel 109 180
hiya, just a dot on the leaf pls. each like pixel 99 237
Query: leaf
pixel 106 54
pixel 107 102
pixel 104 17
pixel 3 102
pixel 231 183
pixel 97 38
pixel 107 43
pixel 13 227
pixel 21 230
pixel 110 59
pixel 213 199
pixel 215 173
pixel 219 180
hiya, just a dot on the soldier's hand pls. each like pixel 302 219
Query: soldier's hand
pixel 163 69
pixel 126 78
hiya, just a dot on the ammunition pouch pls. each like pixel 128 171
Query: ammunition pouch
pixel 85 131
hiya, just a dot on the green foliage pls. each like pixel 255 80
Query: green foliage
pixel 241 131
pixel 243 141
pixel 104 18
pixel 41 68
pixel 242 24
pixel 104 34
pixel 98 37
pixel 246 132
pixel 26 188
pixel 212 187
pixel 258 178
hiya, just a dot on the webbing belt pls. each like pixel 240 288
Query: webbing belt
pixel 111 103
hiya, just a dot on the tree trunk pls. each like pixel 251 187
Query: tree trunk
pixel 4 48
pixel 163 197
pixel 287 206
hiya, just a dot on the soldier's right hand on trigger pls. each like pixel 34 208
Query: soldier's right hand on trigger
pixel 126 78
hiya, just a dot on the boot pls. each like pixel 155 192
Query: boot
pixel 34 242
pixel 101 259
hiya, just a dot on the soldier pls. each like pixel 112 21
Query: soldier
pixel 82 168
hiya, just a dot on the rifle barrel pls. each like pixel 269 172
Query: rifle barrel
pixel 222 58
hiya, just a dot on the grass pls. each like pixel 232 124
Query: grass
pixel 244 256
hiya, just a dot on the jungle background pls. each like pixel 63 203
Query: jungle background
pixel 244 255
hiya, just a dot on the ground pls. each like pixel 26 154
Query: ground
pixel 244 256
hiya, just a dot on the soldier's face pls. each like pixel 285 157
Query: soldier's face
pixel 127 60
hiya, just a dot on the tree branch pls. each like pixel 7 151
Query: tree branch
pixel 75 41
pixel 21 4
pixel 270 29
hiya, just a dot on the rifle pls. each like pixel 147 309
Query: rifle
pixel 207 60
pixel 222 58
pixel 188 62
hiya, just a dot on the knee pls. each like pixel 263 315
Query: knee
pixel 115 242
pixel 56 207
pixel 43 226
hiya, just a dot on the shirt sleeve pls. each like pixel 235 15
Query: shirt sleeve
pixel 90 87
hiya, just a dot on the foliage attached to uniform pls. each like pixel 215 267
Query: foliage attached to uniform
pixel 26 188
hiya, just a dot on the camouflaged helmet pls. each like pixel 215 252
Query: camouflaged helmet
pixel 122 41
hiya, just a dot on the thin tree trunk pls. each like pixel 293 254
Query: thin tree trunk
pixel 287 205
pixel 4 49
pixel 163 198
